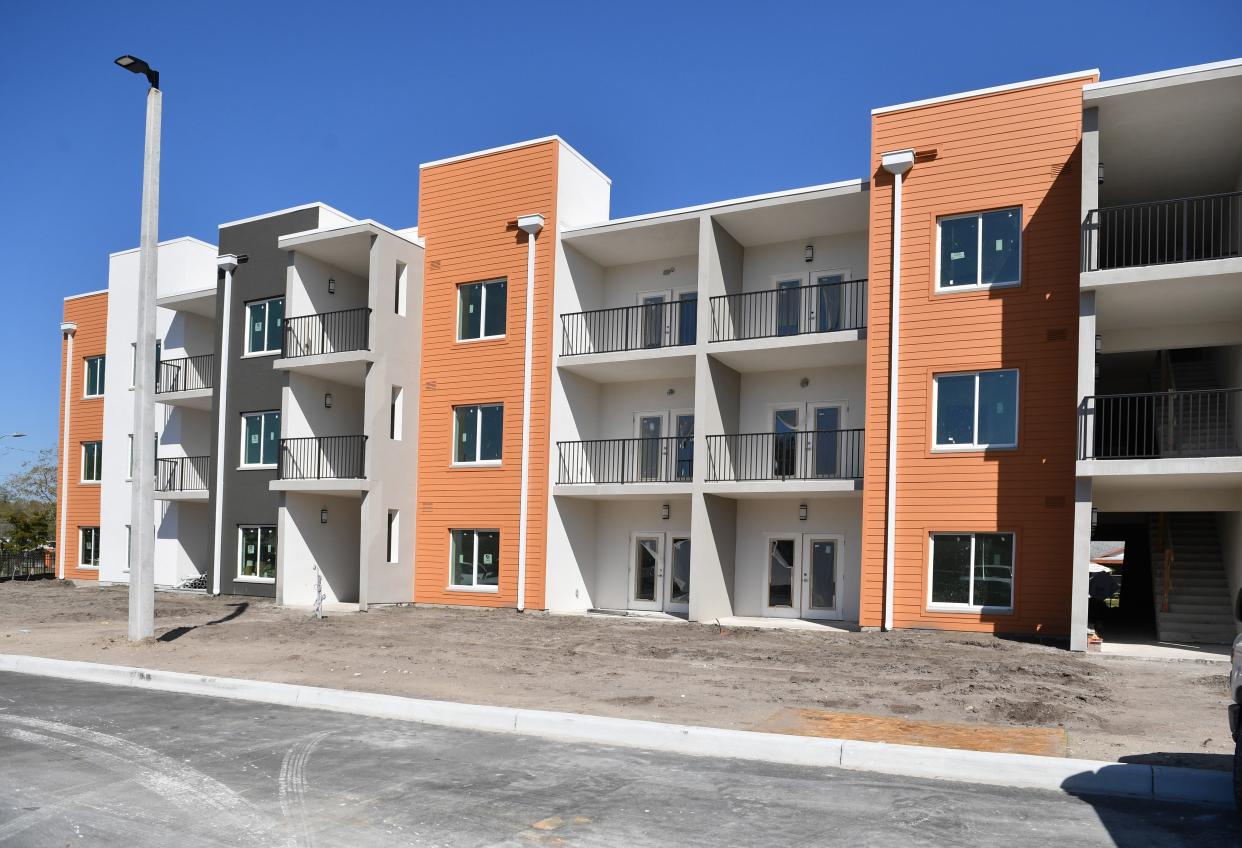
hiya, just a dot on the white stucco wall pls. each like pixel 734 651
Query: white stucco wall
pixel 761 263
pixel 308 544
pixel 615 522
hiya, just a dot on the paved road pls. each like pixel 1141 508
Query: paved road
pixel 86 764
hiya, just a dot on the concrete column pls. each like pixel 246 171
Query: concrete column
pixel 228 264
pixel 1082 485
pixel 67 331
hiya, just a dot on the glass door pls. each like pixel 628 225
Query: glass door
pixel 653 324
pixel 683 455
pixel 829 300
pixel 785 441
pixel 820 577
pixel 649 430
pixel 646 571
pixel 788 307
pixel 687 318
pixel 783 576
pixel 824 441
pixel 677 595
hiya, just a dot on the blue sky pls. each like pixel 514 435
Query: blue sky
pixel 269 105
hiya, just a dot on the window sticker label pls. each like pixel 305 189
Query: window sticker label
pixel 958 254
pixel 1000 244
pixel 487 559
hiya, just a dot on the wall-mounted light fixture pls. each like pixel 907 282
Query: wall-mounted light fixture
pixel 804 382
pixel 671 392
pixel 802 512
pixel 664 511
pixel 327 400
pixel 1099 343
pixel 331 286
pixel 670 269
pixel 808 252
pixel 1095 517
pixel 1099 174
pixel 323 516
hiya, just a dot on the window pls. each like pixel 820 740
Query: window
pixel 256 553
pixel 133 364
pixel 264 320
pixel 972 571
pixel 399 296
pixel 979 250
pixel 977 410
pixel 260 439
pixel 94 377
pixel 477 433
pixel 476 559
pixel 395 414
pixel 481 310
pixel 88 547
pixel 92 462
pixel 394 533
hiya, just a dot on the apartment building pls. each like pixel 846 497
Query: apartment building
pixel 911 399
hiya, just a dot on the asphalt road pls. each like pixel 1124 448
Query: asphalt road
pixel 87 764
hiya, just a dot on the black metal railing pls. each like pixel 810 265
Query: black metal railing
pixel 323 458
pixel 184 375
pixel 327 332
pixel 1165 231
pixel 668 459
pixel 27 565
pixel 650 325
pixel 795 455
pixel 182 474
pixel 1152 425
pixel 821 308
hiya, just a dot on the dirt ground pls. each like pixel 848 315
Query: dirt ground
pixel 1110 708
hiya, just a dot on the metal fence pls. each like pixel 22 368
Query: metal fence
pixel 1151 425
pixel 668 459
pixel 1184 230
pixel 327 332
pixel 821 308
pixel 794 455
pixel 182 473
pixel 184 375
pixel 323 458
pixel 27 565
pixel 649 325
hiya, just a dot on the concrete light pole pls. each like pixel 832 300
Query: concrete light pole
pixel 142 503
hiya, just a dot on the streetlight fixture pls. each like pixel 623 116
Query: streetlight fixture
pixel 142 502
pixel 12 435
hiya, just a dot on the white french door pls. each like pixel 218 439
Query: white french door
pixel 649 456
pixel 805 441
pixel 655 326
pixel 803 577
pixel 659 572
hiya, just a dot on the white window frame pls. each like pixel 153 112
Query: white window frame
pixel 975 445
pixel 241 535
pixel 455 587
pixel 979 286
pixel 262 434
pixel 86 375
pixel 82 478
pixel 267 351
pixel 941 606
pixel 478 437
pixel 82 530
pixel 482 337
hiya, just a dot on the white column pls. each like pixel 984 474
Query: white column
pixel 228 264
pixel 531 225
pixel 67 330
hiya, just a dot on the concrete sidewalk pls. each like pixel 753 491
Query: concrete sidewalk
pixel 1079 777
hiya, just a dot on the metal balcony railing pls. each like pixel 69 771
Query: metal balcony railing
pixel 1152 425
pixel 1165 231
pixel 650 325
pixel 821 308
pixel 323 458
pixel 327 332
pixel 794 455
pixel 184 375
pixel 668 459
pixel 182 474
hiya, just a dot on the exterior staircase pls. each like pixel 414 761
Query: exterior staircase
pixel 1200 423
pixel 1199 607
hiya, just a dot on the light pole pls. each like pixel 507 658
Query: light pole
pixel 11 435
pixel 142 502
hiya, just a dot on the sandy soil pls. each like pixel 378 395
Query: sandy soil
pixel 1112 708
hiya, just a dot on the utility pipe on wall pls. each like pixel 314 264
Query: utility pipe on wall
pixel 531 225
pixel 67 331
pixel 896 163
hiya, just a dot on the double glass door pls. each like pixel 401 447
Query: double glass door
pixel 659 574
pixel 806 441
pixel 803 575
pixel 659 458
pixel 667 318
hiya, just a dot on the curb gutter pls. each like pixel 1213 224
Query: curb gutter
pixel 1085 777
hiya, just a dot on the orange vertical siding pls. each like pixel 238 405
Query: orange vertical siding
pixel 80 501
pixel 1012 148
pixel 467 213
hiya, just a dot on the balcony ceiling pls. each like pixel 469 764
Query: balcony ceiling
pixel 638 241
pixel 347 248
pixel 804 218
pixel 201 302
pixel 1169 138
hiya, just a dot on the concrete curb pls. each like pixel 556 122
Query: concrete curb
pixel 1076 777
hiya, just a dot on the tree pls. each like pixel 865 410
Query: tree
pixel 28 504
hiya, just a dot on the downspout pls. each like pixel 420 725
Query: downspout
pixel 531 225
pixel 67 330
pixel 896 163
pixel 228 264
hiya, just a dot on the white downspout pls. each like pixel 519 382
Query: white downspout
pixel 896 163
pixel 67 330
pixel 531 225
pixel 228 264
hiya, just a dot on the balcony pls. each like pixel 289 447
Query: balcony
pixel 331 345
pixel 186 381
pixel 623 462
pixel 1191 229
pixel 182 478
pixel 322 464
pixel 801 460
